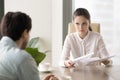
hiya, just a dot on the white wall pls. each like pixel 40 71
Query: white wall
pixel 40 11
pixel 57 23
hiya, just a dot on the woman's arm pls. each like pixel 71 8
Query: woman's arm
pixel 64 61
pixel 103 51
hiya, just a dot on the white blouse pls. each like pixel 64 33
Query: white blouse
pixel 75 47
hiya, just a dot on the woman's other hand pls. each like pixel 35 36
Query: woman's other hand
pixel 107 62
pixel 69 64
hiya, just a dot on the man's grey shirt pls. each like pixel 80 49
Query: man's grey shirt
pixel 16 64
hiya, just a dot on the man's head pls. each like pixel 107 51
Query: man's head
pixel 15 25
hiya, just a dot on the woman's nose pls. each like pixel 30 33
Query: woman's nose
pixel 80 26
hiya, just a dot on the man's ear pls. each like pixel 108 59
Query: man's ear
pixel 25 34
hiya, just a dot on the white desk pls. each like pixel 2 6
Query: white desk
pixel 87 73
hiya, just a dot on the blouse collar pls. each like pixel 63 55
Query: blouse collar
pixel 85 38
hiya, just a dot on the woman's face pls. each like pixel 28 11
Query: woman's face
pixel 82 25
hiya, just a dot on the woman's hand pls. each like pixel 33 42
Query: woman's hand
pixel 50 77
pixel 106 62
pixel 69 64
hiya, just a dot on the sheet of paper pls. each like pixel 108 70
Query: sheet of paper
pixel 106 58
pixel 82 57
pixel 86 60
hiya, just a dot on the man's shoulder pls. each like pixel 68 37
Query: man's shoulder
pixel 20 55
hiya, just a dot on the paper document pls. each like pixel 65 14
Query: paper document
pixel 82 57
pixel 106 58
pixel 87 59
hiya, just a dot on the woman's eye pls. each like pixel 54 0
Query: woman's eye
pixel 84 24
pixel 77 23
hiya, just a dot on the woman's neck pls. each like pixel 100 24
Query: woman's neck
pixel 82 36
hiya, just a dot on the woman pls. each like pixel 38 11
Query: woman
pixel 83 41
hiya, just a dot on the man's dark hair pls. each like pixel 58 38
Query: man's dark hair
pixel 13 24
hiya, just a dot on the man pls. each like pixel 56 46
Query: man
pixel 15 62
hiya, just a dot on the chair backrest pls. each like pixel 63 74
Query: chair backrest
pixel 95 27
